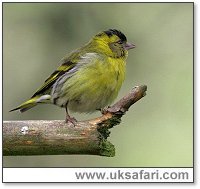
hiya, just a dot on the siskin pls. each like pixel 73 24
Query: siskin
pixel 88 79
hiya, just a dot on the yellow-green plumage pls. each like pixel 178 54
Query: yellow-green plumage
pixel 98 87
pixel 89 78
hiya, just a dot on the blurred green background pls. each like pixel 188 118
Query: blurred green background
pixel 157 130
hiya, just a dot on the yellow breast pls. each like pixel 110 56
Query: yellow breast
pixel 95 85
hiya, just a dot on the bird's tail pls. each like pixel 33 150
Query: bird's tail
pixel 32 102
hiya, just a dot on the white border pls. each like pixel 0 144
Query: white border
pixel 197 103
pixel 118 175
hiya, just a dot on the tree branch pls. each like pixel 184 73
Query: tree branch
pixel 57 137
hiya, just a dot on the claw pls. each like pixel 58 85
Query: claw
pixel 69 119
pixel 104 110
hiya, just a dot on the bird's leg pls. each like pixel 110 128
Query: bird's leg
pixel 70 119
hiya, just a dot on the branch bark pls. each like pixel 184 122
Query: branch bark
pixel 57 137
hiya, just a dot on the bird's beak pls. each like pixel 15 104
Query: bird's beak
pixel 129 46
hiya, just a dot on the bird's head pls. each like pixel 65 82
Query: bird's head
pixel 113 43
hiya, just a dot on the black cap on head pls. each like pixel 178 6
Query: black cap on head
pixel 111 32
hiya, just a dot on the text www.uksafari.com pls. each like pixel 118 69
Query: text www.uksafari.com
pixel 140 175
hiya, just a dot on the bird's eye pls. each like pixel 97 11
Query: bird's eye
pixel 119 42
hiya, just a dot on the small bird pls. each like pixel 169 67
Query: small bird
pixel 88 79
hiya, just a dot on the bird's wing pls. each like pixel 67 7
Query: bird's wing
pixel 64 68
pixel 70 65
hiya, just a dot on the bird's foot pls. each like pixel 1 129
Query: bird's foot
pixel 104 110
pixel 71 120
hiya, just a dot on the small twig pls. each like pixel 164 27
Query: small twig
pixel 56 137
